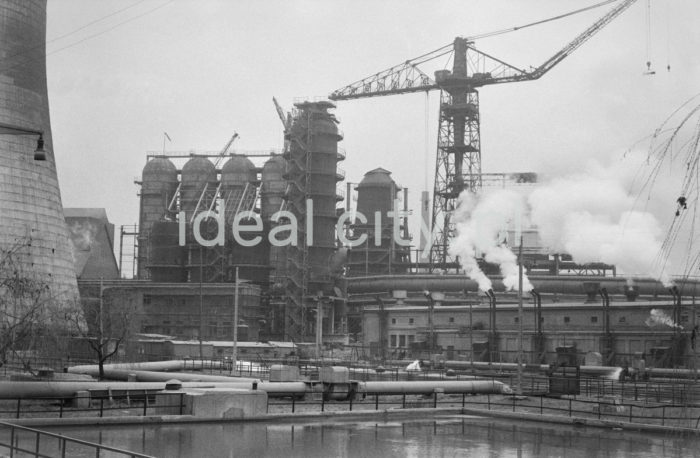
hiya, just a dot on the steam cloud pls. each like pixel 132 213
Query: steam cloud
pixel 658 317
pixel 479 232
pixel 588 216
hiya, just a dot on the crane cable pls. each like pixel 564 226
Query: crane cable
pixel 542 21
pixel 648 38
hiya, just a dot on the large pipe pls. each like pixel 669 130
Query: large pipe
pixel 609 372
pixel 14 390
pixel 447 387
pixel 161 366
pixel 153 376
pixel 543 284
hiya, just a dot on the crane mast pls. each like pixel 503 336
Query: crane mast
pixel 458 158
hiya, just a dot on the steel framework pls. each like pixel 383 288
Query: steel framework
pixel 458 161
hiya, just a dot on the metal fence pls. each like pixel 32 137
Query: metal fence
pixel 134 403
pixel 606 408
pixel 604 401
pixel 23 441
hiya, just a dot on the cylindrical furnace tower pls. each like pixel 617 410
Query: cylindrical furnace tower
pixel 198 189
pixel 271 200
pixel 31 213
pixel 239 179
pixel 376 193
pixel 312 175
pixel 199 183
pixel 158 186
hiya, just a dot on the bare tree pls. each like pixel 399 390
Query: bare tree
pixel 104 323
pixel 24 299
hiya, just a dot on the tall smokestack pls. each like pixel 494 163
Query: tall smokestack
pixel 31 213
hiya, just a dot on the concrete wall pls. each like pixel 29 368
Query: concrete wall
pixel 213 403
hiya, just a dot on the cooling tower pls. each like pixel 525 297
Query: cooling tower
pixel 31 213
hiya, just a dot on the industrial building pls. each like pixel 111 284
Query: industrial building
pixel 266 240
pixel 246 244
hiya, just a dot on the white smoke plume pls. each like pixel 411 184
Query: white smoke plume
pixel 479 226
pixel 590 216
pixel 658 317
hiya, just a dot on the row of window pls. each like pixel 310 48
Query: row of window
pixel 594 319
pixel 410 320
pixel 401 340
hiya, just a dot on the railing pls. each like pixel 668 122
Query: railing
pixel 133 403
pixel 224 366
pixel 609 400
pixel 679 415
pixel 23 441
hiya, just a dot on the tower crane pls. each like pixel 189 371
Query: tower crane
pixel 458 161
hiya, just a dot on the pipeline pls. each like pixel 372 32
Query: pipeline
pixel 447 387
pixel 160 366
pixel 153 376
pixel 608 372
pixel 43 389
pixel 543 284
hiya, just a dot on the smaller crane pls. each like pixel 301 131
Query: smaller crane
pixel 224 151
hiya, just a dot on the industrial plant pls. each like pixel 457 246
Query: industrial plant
pixel 308 257
pixel 276 258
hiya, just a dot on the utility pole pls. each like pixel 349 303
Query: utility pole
pixel 102 331
pixel 319 325
pixel 471 338
pixel 201 307
pixel 234 354
pixel 519 389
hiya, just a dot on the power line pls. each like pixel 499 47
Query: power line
pixel 89 37
pixel 110 28
pixel 60 37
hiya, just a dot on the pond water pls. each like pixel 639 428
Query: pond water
pixel 445 436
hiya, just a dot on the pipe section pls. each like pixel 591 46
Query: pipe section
pixel 447 387
pixel 543 284
pixel 14 390
pixel 160 366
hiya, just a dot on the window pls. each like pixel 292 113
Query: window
pixel 146 299
pixel 594 319
pixel 567 319
pixel 402 341
pixel 622 319
pixel 452 319
pixel 410 321
pixel 684 318
pixel 516 319
pixel 411 339
pixel 393 321
pixel 392 339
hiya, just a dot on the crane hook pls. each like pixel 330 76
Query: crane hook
pixel 649 70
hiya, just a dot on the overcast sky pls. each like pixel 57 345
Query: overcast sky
pixel 201 70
